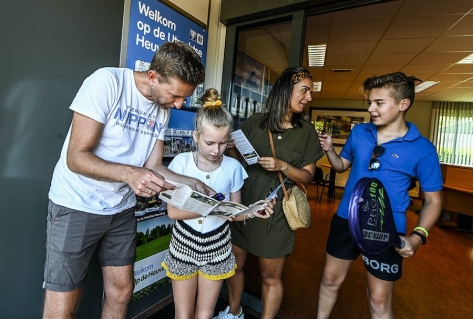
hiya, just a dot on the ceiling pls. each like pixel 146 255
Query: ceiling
pixel 424 38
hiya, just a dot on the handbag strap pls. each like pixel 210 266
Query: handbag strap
pixel 301 185
pixel 279 173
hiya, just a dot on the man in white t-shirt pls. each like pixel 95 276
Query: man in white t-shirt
pixel 113 152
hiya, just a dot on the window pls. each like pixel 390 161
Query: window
pixel 452 132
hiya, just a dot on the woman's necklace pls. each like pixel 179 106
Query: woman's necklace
pixel 206 170
pixel 285 126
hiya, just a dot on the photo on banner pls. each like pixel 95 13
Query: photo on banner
pixel 153 239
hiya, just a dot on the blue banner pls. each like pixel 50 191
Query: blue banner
pixel 151 24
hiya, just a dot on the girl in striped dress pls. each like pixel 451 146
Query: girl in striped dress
pixel 200 254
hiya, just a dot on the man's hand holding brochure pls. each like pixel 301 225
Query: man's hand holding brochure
pixel 183 197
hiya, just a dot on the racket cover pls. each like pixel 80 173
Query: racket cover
pixel 370 217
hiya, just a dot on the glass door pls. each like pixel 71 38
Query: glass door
pixel 255 55
pixel 262 53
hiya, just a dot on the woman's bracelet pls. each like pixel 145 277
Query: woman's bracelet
pixel 287 168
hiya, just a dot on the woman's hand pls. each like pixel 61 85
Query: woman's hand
pixel 232 151
pixel 271 164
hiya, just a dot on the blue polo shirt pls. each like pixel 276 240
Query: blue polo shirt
pixel 409 156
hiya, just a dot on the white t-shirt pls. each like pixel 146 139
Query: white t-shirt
pixel 227 178
pixel 132 124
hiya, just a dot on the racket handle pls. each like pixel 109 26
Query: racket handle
pixel 402 243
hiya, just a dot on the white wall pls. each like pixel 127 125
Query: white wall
pixel 215 47
pixel 208 12
pixel 197 8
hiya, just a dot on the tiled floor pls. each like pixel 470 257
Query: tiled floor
pixel 436 284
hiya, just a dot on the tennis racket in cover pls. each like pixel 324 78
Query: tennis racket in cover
pixel 370 217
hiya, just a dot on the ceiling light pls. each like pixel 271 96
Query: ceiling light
pixel 316 54
pixel 425 85
pixel 317 86
pixel 341 70
pixel 466 60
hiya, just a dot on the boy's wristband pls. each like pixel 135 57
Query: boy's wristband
pixel 423 238
pixel 422 229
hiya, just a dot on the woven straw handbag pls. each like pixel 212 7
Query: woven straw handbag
pixel 295 203
pixel 296 208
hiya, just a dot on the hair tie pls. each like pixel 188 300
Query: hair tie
pixel 212 104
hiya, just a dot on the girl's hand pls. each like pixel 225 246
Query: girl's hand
pixel 264 213
pixel 231 218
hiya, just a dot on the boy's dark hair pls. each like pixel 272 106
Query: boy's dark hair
pixel 400 85
pixel 178 60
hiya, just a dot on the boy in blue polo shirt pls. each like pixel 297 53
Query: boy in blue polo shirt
pixel 394 151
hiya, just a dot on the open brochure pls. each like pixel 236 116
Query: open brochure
pixel 244 147
pixel 183 197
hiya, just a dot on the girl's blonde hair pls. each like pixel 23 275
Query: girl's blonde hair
pixel 212 112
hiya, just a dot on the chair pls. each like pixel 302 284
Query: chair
pixel 412 186
pixel 327 181
pixel 319 179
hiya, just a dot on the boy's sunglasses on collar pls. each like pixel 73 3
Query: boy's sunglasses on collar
pixel 374 162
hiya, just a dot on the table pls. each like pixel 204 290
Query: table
pixel 457 194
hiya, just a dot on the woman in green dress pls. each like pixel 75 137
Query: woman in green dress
pixel 297 149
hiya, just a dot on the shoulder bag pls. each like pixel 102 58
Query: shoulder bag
pixel 295 202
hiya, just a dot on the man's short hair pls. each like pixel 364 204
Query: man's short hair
pixel 178 60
